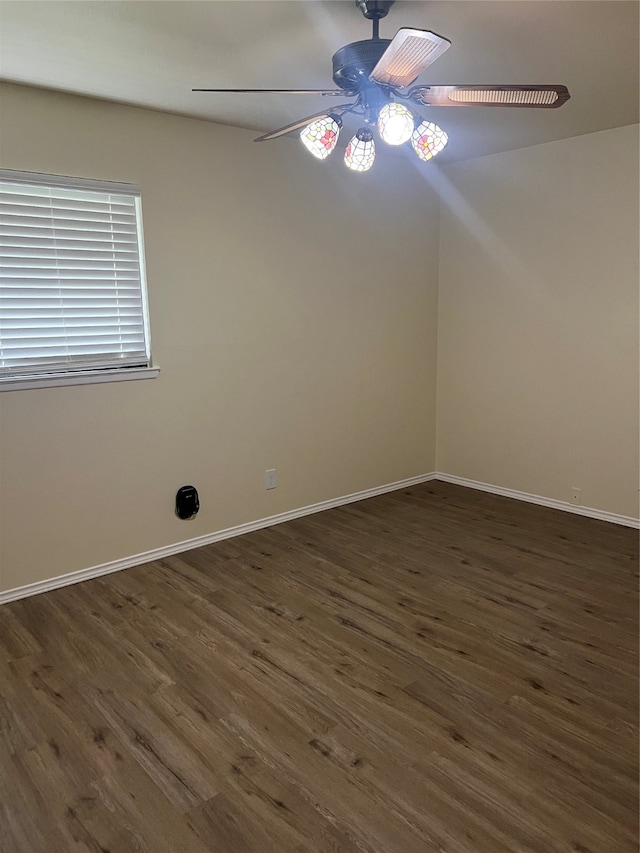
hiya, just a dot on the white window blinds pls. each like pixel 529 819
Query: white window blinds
pixel 72 288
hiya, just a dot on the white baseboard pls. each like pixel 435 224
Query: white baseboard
pixel 565 506
pixel 199 541
pixel 239 530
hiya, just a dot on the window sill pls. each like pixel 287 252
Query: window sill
pixel 85 377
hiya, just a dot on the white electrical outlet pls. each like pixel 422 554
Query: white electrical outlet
pixel 576 495
pixel 270 478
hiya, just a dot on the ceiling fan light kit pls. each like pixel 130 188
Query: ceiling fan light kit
pixel 427 140
pixel 376 72
pixel 320 137
pixel 361 151
pixel 395 123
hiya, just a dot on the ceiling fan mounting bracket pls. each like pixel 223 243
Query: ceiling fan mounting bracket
pixel 374 9
pixel 354 62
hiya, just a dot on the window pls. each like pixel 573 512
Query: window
pixel 73 302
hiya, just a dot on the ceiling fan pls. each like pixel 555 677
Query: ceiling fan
pixel 376 72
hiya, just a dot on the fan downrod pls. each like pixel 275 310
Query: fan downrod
pixel 374 10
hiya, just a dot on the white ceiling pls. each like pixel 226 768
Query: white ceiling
pixel 152 53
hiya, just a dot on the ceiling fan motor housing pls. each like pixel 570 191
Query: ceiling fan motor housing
pixel 354 62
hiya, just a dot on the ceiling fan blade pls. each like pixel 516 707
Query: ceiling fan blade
pixel 549 97
pixel 278 91
pixel 407 56
pixel 303 122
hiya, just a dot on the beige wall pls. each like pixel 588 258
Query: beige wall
pixel 293 313
pixel 538 320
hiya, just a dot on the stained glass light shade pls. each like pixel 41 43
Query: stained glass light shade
pixel 395 124
pixel 320 137
pixel 361 151
pixel 428 139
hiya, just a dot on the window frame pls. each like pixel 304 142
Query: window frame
pixel 34 378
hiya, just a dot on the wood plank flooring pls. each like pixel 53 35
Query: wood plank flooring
pixel 436 670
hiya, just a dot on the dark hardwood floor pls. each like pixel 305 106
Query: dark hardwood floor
pixel 436 669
